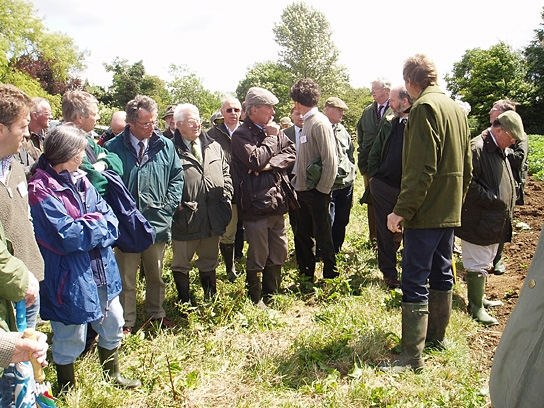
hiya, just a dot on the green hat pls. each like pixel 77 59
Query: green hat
pixel 335 102
pixel 511 122
pixel 260 96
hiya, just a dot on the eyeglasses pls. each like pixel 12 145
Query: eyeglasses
pixel 147 125
pixel 229 110
pixel 193 122
pixel 48 114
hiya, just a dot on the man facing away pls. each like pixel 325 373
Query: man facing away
pixel 436 172
pixel 316 144
pixel 153 174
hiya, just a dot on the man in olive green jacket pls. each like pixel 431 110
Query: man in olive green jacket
pixel 436 172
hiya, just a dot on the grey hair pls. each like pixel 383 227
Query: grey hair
pixel 63 143
pixel 383 82
pixel 76 103
pixel 135 105
pixel 181 111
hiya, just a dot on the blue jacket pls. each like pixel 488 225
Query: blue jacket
pixel 75 229
pixel 156 184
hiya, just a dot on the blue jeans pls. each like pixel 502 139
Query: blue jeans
pixel 426 259
pixel 69 340
pixel 7 381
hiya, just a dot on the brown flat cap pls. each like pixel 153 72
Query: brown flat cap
pixel 335 102
pixel 169 111
pixel 260 96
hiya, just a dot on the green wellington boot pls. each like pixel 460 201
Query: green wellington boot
pixel 476 289
pixel 110 365
pixel 439 318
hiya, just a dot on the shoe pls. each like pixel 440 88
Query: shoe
pixel 499 268
pixel 165 323
pixel 127 330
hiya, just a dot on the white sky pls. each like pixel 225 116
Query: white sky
pixel 220 40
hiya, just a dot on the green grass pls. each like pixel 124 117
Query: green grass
pixel 315 349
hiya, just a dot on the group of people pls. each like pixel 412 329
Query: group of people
pixel 426 180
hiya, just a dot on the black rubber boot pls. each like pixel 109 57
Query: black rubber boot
pixel 439 318
pixel 498 265
pixel 110 365
pixel 208 280
pixel 271 282
pixel 182 285
pixel 66 377
pixel 227 252
pixel 254 286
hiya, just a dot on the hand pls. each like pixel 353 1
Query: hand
pixel 99 166
pixel 38 349
pixel 393 222
pixel 32 290
pixel 272 128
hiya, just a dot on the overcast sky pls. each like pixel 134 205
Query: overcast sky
pixel 220 40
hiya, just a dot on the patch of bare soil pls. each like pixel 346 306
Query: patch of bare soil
pixel 517 257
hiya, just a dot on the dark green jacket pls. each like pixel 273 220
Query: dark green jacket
pixel 367 130
pixel 436 162
pixel 112 161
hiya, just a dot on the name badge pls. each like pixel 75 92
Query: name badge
pixel 22 189
pixel 303 139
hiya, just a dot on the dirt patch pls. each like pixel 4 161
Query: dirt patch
pixel 517 257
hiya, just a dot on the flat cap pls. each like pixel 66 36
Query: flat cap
pixel 285 121
pixel 169 111
pixel 260 96
pixel 335 102
pixel 511 121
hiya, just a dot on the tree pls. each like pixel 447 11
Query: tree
pixel 186 87
pixel 25 45
pixel 307 49
pixel 275 78
pixel 485 76
pixel 531 112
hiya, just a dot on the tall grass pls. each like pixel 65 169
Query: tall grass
pixel 315 349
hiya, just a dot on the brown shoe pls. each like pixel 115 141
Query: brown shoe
pixel 127 330
pixel 165 323
pixel 391 282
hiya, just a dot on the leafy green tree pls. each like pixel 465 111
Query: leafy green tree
pixel 127 80
pixel 484 76
pixel 271 76
pixel 531 111
pixel 25 45
pixel 304 35
pixel 186 87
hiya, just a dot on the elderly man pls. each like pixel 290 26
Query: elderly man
pixel 205 208
pixel 262 157
pixel 436 172
pixel 342 192
pixel 317 145
pixel 384 173
pixel 40 119
pixel 368 126
pixel 117 125
pixel 153 174
pixel 489 206
pixel 231 110
pixel 170 123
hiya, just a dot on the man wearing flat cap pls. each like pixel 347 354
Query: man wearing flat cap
pixel 487 212
pixel 342 190
pixel 170 123
pixel 262 156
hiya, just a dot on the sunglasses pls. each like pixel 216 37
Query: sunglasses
pixel 229 110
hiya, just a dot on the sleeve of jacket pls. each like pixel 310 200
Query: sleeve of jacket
pixel 60 233
pixel 478 192
pixel 329 157
pixel 228 188
pixel 112 160
pixel 375 155
pixel 13 275
pixel 285 159
pixel 174 191
pixel 419 161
